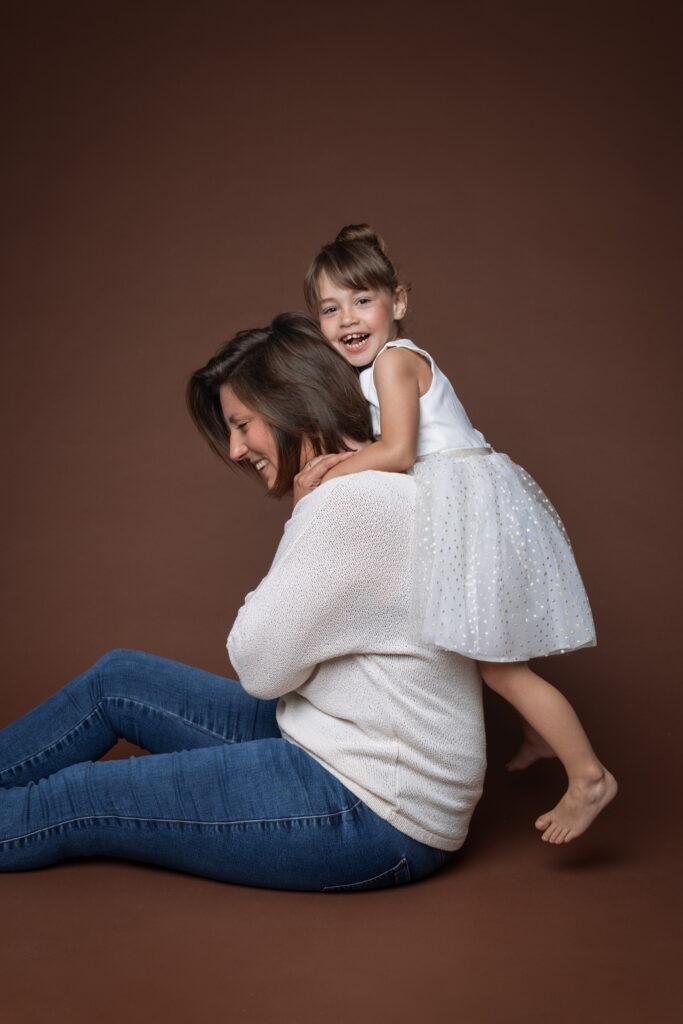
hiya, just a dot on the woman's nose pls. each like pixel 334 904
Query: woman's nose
pixel 238 448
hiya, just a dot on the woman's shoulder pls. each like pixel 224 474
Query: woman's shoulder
pixel 350 516
pixel 385 493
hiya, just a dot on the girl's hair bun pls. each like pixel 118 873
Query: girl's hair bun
pixel 356 259
pixel 361 233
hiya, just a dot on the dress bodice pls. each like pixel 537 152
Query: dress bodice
pixel 443 421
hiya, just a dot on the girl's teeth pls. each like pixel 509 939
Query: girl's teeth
pixel 355 340
pixel 261 463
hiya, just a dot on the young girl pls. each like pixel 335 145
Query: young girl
pixel 496 577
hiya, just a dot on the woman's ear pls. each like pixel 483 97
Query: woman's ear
pixel 400 303
pixel 306 452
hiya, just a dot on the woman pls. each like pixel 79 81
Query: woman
pixel 348 757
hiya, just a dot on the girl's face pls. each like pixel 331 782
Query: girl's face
pixel 250 436
pixel 358 323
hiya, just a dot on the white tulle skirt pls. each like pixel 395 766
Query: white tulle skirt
pixel 495 578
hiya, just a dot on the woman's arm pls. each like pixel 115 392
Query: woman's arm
pixel 398 390
pixel 319 601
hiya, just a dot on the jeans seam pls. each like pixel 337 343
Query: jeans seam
pixel 96 710
pixel 368 881
pixel 164 711
pixel 179 821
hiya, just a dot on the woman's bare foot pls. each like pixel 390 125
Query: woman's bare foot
pixel 532 749
pixel 579 806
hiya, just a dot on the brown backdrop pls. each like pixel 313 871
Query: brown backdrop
pixel 169 169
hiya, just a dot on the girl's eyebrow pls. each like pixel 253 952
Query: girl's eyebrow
pixel 354 291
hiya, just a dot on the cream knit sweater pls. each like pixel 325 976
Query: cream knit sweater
pixel 328 632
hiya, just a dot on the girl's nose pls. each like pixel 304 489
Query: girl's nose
pixel 348 317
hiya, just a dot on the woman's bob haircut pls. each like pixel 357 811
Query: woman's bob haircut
pixel 302 388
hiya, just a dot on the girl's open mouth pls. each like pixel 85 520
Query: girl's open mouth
pixel 354 342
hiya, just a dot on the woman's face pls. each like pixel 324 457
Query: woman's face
pixel 250 436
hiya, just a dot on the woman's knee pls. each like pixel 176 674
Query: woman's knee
pixel 115 664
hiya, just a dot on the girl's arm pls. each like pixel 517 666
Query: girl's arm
pixel 398 392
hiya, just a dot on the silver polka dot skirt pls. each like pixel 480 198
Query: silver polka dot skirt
pixel 495 577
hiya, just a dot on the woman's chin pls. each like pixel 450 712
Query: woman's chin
pixel 267 477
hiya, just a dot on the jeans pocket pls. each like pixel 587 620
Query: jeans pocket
pixel 398 875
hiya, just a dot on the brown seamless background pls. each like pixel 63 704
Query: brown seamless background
pixel 169 169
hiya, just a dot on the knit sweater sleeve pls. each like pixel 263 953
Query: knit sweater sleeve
pixel 326 591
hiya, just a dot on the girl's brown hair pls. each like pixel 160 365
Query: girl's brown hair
pixel 356 259
pixel 289 375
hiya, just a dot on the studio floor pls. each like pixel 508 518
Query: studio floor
pixel 515 931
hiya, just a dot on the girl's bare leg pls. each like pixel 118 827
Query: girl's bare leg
pixel 533 747
pixel 590 785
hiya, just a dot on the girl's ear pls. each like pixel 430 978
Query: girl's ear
pixel 400 303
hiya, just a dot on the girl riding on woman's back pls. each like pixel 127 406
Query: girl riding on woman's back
pixel 496 577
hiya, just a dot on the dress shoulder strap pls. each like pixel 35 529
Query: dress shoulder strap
pixel 406 343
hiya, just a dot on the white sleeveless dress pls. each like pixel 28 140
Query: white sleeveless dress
pixel 496 578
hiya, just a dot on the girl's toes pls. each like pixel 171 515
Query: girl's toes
pixel 543 822
pixel 555 834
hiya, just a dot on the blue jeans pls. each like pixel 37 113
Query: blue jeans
pixel 222 794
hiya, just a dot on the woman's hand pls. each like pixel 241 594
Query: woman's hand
pixel 311 475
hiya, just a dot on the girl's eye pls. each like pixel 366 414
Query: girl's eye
pixel 328 309
pixel 364 299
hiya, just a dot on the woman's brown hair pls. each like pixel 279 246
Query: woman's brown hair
pixel 356 259
pixel 289 375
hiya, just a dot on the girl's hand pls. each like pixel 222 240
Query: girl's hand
pixel 311 475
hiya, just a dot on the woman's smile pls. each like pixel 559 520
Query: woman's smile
pixel 251 439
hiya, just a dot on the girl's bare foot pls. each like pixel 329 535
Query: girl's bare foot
pixel 532 749
pixel 579 806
